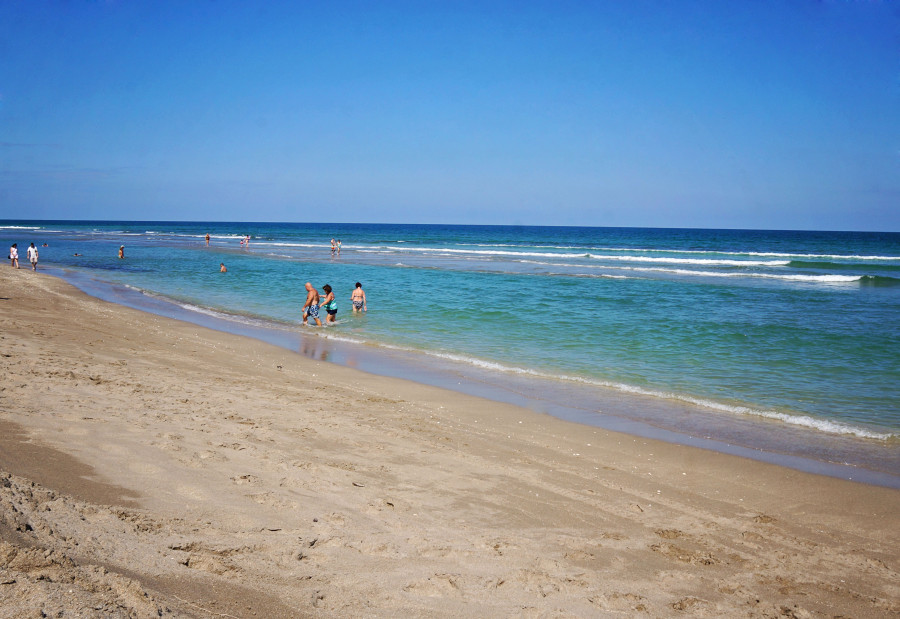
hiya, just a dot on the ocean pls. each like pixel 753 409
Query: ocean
pixel 777 345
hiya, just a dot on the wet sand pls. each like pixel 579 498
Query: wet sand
pixel 152 467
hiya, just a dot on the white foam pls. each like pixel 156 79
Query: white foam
pixel 731 260
pixel 727 259
pixel 344 338
pixel 821 425
pixel 837 279
pixel 833 279
pixel 449 251
pixel 749 253
pixel 819 256
pixel 695 261
pixel 206 311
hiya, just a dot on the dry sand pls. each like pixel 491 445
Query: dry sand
pixel 150 467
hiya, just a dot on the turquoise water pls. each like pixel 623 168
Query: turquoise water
pixel 799 330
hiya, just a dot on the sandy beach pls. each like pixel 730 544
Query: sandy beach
pixel 150 467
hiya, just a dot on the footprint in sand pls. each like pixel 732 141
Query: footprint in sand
pixel 620 602
pixel 439 585
pixel 764 519
pixel 695 606
pixel 271 500
pixel 684 555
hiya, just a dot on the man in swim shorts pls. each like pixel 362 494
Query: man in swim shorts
pixel 311 307
pixel 33 257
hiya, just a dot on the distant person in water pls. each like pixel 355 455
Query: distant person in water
pixel 14 256
pixel 333 247
pixel 33 257
pixel 247 241
pixel 358 298
pixel 207 239
pixel 311 307
pixel 222 268
pixel 121 251
pixel 330 304
pixel 339 246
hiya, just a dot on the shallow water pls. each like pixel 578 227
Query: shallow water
pixel 785 342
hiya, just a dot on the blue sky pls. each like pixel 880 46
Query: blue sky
pixel 769 114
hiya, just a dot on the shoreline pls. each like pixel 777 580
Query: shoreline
pixel 773 441
pixel 326 491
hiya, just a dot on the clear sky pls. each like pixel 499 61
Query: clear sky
pixel 744 114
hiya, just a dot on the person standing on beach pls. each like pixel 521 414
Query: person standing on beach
pixel 311 307
pixel 207 239
pixel 33 257
pixel 121 251
pixel 358 298
pixel 330 304
pixel 14 256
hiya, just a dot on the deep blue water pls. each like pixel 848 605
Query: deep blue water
pixel 796 329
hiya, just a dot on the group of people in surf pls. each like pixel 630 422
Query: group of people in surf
pixel 314 303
